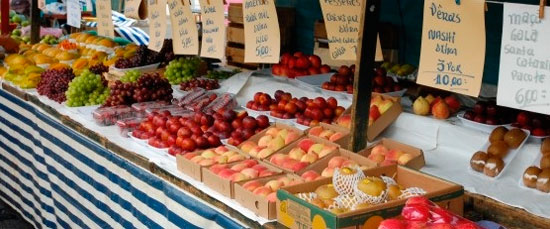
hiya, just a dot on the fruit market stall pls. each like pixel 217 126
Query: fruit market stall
pixel 99 134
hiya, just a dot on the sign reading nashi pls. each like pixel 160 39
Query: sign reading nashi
pixel 213 29
pixel 262 38
pixel 453 46
pixel 157 24
pixel 524 59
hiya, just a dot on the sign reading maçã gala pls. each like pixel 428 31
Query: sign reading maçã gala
pixel 452 53
pixel 262 38
pixel 524 59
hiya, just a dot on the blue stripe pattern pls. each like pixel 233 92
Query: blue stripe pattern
pixel 123 26
pixel 63 158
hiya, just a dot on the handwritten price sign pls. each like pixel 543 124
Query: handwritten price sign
pixel 213 29
pixel 524 59
pixel 185 37
pixel 157 24
pixel 105 25
pixel 453 46
pixel 262 38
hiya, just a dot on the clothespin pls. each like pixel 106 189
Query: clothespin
pixel 457 2
pixel 541 8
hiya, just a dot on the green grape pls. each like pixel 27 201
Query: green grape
pixel 131 76
pixel 221 74
pixel 182 69
pixel 85 90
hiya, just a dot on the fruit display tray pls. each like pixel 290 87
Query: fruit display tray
pixel 507 159
pixel 535 162
pixel 476 125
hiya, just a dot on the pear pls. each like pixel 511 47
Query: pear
pixel 421 106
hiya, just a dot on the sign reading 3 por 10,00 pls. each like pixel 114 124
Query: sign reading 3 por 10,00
pixel 524 59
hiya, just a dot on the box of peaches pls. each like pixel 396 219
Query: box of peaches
pixel 355 198
pixel 384 110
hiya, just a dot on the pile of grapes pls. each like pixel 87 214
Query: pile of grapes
pixel 86 89
pixel 130 76
pixel 99 69
pixel 202 83
pixel 54 83
pixel 149 87
pixel 220 75
pixel 182 69
pixel 143 56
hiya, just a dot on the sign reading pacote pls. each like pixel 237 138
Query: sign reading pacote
pixel 105 25
pixel 157 24
pixel 343 22
pixel 524 59
pixel 131 8
pixel 73 13
pixel 453 46
pixel 262 38
pixel 213 29
pixel 185 37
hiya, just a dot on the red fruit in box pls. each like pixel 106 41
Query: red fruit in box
pixel 281 105
pixel 480 118
pixel 242 114
pixel 303 62
pixel 315 61
pixel 257 96
pixel 379 71
pixel 397 87
pixel 291 63
pixel 419 200
pixel 389 82
pixel 523 118
pixel 529 128
pixel 237 134
pixel 298 54
pixel 325 69
pixel 537 122
pixel 344 70
pixel 263 121
pixel 291 108
pixel 313 71
pixel 285 71
pixel 339 110
pixel 470 115
pixel 349 89
pixel 416 212
pixel 378 90
pixel 416 225
pixel 300 105
pixel 317 114
pixel 229 115
pixel 207 120
pixel 328 113
pixel 214 140
pixel 453 103
pixel 539 132
pixel 391 224
pixel 263 107
pixel 379 81
pixel 286 96
pixel 265 99
pixel 171 140
pixel 237 123
pixel 247 133
pixel 320 102
pixel 374 112
pixel 188 144
pixel 276 70
pixel 284 58
pixel 249 123
pixel 332 103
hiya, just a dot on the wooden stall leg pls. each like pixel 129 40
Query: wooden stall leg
pixel 35 22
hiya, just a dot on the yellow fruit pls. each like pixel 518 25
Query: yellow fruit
pixel 80 63
pixel 58 66
pixel 65 55
pixel 326 191
pixel 42 59
pixel 90 39
pixel 98 55
pixel 347 171
pixel 52 51
pixel 318 202
pixel 3 71
pixel 373 186
pixel 109 62
pixel 107 43
pixel 82 37
pixel 394 191
pixel 17 60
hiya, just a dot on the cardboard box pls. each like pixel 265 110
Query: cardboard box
pixel 416 163
pixel 385 120
pixel 194 170
pixel 294 212
pixel 320 165
pixel 258 204
pixel 225 187
pixel 257 136
pixel 343 141
pixel 289 147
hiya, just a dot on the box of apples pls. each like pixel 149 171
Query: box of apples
pixel 391 152
pixel 303 154
pixel 222 177
pixel 332 133
pixel 296 210
pixel 260 195
pixel 342 158
pixel 192 163
pixel 269 141
pixel 384 110
pixel 299 64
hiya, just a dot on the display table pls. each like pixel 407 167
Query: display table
pixel 57 161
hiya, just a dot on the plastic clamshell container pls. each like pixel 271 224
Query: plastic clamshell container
pixel 107 116
pixel 128 125
pixel 142 107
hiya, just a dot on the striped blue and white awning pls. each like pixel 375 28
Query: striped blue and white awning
pixel 57 178
pixel 123 26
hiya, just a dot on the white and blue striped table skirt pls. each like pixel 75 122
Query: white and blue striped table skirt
pixel 57 178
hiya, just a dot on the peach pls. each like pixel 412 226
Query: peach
pixel 336 136
pixel 296 153
pixel 305 144
pixel 326 134
pixel 221 149
pixel 277 143
pixel 274 184
pixel 206 162
pixel 299 166
pixel 376 158
pixel 265 140
pixel 315 131
pixel 309 158
pixel 288 163
pixel 249 163
pixel 236 177
pixel 310 175
pixel 196 159
pixel 273 131
pixel 387 162
pixel 247 146
pixel 290 137
pixel 277 159
pixel 349 164
pixel 394 154
pixel 379 150
pixel 284 180
pixel 254 151
pixel 259 168
pixel 440 110
pixel 220 159
pixel 282 133
pixel 226 173
pixel 262 191
pixel 344 121
pixel 251 185
pixel 405 158
pixel 250 173
pixel 217 168
pixel 385 106
pixel 229 153
pixel 266 173
pixel 208 154
pixel 239 167
pixel 272 197
pixel 325 151
pixel 336 162
pixel 265 153
pixel 189 156
pixel 327 172
pixel 316 148
pixel 376 100
pixel 237 157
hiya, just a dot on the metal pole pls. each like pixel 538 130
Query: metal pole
pixel 35 22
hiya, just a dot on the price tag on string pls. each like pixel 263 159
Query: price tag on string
pixel 185 37
pixel 131 8
pixel 213 29
pixel 343 22
pixel 157 24
pixel 524 72
pixel 262 38
pixel 453 46
pixel 73 13
pixel 105 25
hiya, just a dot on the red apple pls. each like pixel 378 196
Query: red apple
pixel 303 63
pixel 325 69
pixel 320 102
pixel 263 121
pixel 313 71
pixel 249 123
pixel 188 144
pixel 214 140
pixel 315 61
pixel 284 58
pixel 291 108
pixel 480 118
pixel 298 54
pixel 523 118
pixel 344 70
pixel 332 103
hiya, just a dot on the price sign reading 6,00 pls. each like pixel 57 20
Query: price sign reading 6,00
pixel 530 97
pixel 446 80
